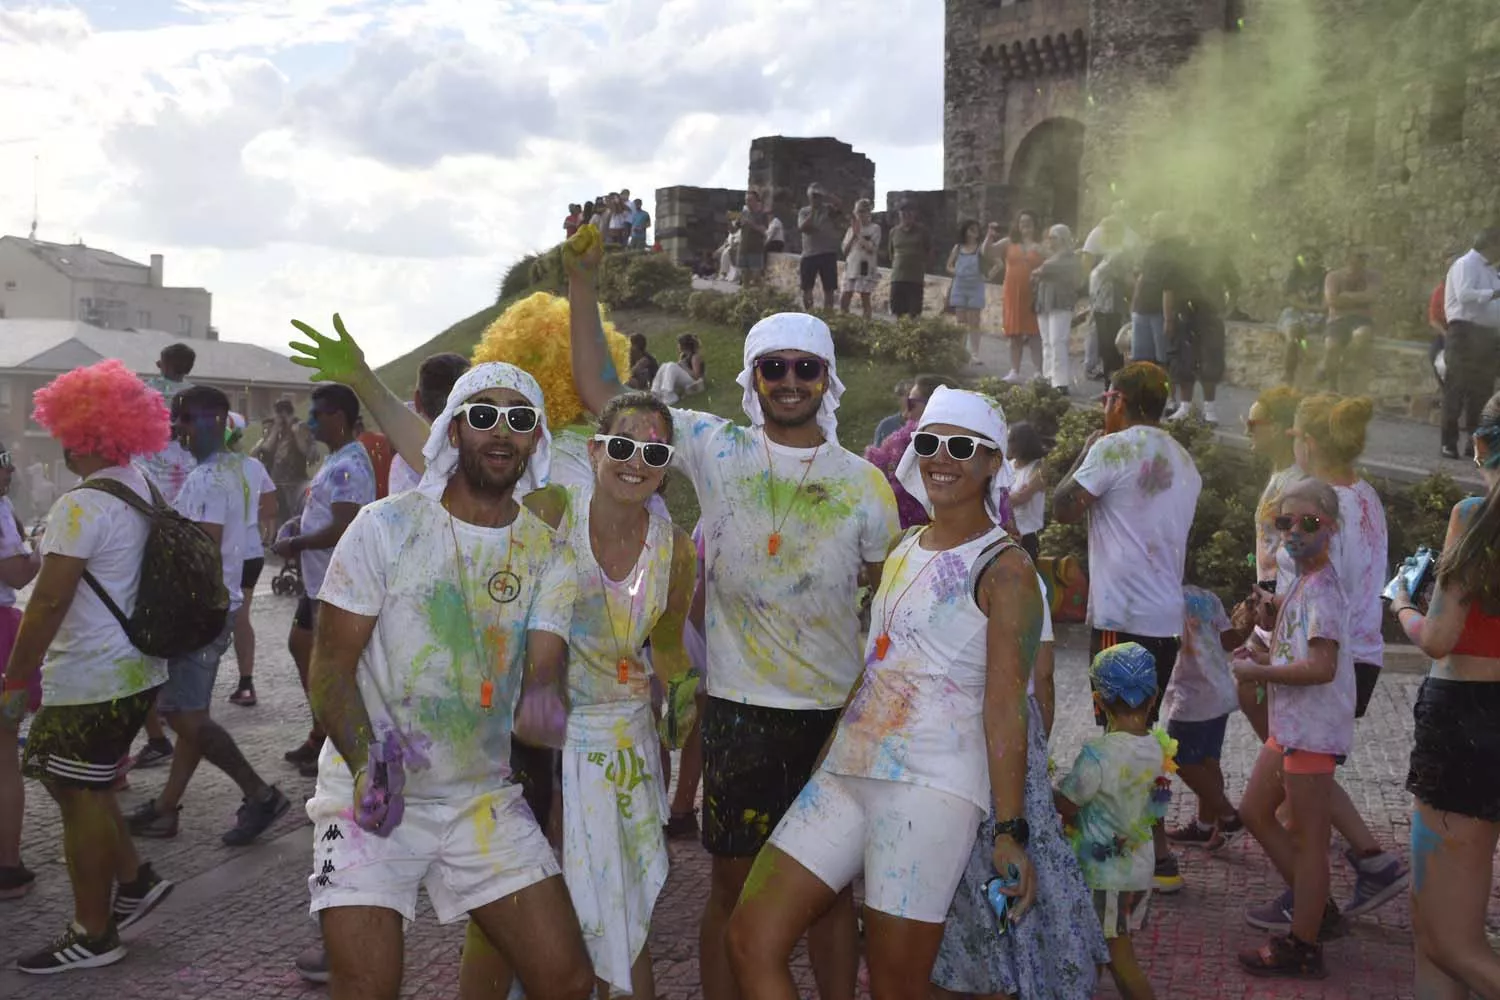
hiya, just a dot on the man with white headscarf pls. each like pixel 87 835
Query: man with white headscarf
pixel 442 633
pixel 791 522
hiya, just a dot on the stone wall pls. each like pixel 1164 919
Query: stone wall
pixel 1401 378
pixel 781 168
pixel 692 220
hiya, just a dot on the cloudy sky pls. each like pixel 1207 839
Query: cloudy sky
pixel 388 158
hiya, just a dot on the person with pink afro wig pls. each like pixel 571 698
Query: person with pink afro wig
pixel 103 410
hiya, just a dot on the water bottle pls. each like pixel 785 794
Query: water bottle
pixel 999 901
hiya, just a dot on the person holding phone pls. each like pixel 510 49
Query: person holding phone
pixel 861 245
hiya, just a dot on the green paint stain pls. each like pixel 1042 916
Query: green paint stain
pixel 760 872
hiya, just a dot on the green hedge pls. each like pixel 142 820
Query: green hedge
pixel 1221 544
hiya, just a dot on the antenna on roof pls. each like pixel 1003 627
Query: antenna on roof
pixel 36 162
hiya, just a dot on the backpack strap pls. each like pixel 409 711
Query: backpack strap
pixel 128 496
pixel 987 558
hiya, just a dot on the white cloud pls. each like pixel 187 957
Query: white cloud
pixel 387 158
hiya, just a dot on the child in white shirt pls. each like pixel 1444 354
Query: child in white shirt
pixel 1028 491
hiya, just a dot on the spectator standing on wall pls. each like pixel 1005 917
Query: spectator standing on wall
pixel 574 219
pixel 1107 259
pixel 861 246
pixel 1304 315
pixel 966 293
pixel 1471 302
pixel 620 221
pixel 753 223
pixel 1350 293
pixel 911 245
pixel 1022 254
pixel 821 223
pixel 640 221
pixel 1055 285
pixel 1160 266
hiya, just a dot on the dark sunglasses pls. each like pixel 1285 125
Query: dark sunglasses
pixel 961 447
pixel 623 449
pixel 485 416
pixel 1309 523
pixel 806 369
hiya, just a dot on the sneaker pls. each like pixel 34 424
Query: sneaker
pixel 1013 377
pixel 244 695
pixel 1377 881
pixel 74 950
pixel 254 818
pixel 147 822
pixel 308 770
pixel 312 965
pixel 1226 832
pixel 1210 414
pixel 1168 879
pixel 134 901
pixel 1284 955
pixel 1183 411
pixel 154 754
pixel 16 882
pixel 1276 917
pixel 683 827
pixel 307 753
pixel 1193 834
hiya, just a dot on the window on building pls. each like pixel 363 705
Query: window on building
pixel 185 325
pixel 1359 141
pixel 1450 95
pixel 4 395
pixel 143 319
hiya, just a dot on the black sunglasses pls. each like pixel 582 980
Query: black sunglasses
pixel 806 369
pixel 623 449
pixel 484 416
pixel 961 447
pixel 1309 523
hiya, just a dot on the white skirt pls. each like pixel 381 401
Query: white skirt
pixel 614 852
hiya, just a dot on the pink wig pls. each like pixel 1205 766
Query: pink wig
pixel 104 410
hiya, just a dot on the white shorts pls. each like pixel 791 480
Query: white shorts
pixel 465 853
pixel 911 842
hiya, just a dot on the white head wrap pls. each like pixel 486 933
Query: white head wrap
pixel 973 412
pixel 442 457
pixel 792 332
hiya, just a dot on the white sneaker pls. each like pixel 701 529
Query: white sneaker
pixel 1183 411
pixel 1014 377
pixel 1210 413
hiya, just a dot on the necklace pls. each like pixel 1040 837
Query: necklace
pixel 888 616
pixel 622 662
pixel 773 541
pixel 486 686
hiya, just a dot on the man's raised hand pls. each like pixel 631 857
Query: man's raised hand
pixel 334 360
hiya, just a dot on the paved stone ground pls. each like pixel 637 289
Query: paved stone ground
pixel 238 917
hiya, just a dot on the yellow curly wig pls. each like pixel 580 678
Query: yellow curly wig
pixel 533 334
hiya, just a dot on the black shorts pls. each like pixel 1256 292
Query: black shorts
pixel 81 746
pixel 1196 352
pixel 307 613
pixel 1365 676
pixel 1341 330
pixel 755 762
pixel 1163 650
pixel 1455 754
pixel 250 572
pixel 534 769
pixel 906 298
pixel 822 267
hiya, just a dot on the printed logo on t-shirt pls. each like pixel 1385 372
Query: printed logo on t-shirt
pixel 505 587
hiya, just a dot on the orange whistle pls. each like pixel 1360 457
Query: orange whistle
pixel 882 645
pixel 486 695
pixel 622 671
pixel 773 544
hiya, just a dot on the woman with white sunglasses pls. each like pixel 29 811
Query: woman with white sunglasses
pixel 933 737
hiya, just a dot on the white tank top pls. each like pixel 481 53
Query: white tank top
pixel 613 618
pixel 918 715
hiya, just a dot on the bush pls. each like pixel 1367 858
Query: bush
pixel 632 279
pixel 672 300
pixel 708 307
pixel 926 343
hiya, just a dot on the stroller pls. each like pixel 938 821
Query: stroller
pixel 288 580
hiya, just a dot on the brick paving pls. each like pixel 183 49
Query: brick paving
pixel 238 917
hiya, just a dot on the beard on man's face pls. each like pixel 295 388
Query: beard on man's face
pixel 798 414
pixel 484 479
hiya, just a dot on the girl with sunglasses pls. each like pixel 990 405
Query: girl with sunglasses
pixel 1309 676
pixel 933 737
pixel 1455 759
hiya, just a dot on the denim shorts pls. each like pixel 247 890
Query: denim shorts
pixel 190 678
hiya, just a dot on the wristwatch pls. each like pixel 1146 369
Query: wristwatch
pixel 1016 829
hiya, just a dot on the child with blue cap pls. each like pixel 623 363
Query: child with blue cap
pixel 1118 788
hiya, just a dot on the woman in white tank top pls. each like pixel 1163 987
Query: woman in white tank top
pixel 933 737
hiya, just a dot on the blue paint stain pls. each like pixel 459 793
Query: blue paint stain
pixel 1424 841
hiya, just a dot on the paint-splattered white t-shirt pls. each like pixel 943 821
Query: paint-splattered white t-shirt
pixel 1147 488
pixel 440 633
pixel 11 544
pixel 1118 784
pixel 346 476
pixel 1202 686
pixel 1315 717
pixel 92 660
pixel 217 491
pixel 783 629
pixel 260 485
pixel 918 715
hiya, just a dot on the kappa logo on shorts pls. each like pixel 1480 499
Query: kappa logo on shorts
pixel 332 833
pixel 505 587
pixel 323 880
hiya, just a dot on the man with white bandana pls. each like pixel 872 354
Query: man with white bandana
pixel 445 616
pixel 791 522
